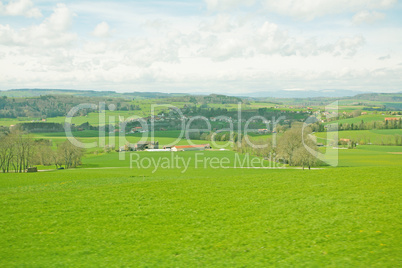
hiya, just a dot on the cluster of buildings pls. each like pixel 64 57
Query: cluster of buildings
pixel 154 147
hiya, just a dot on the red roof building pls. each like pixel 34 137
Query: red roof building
pixel 200 147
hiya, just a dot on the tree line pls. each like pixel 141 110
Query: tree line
pixel 56 105
pixel 389 124
pixel 19 151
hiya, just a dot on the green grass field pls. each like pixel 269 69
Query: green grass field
pixel 105 213
pixel 375 136
pixel 370 155
pixel 13 121
pixel 94 118
pixel 366 118
pixel 343 217
pixel 88 137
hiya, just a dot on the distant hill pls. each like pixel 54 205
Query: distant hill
pixel 391 97
pixel 36 92
pixel 296 94
pixel 282 94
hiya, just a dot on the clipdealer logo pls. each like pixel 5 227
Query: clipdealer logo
pixel 238 126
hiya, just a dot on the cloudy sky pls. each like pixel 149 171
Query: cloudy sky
pixel 222 46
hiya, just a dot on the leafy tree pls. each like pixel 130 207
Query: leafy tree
pixel 288 144
pixel 292 147
pixel 303 157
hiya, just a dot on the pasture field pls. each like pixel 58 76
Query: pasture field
pixel 360 156
pixel 93 118
pixel 257 105
pixel 110 117
pixel 89 136
pixel 95 133
pixel 364 118
pixel 344 217
pixel 13 121
pixel 370 103
pixel 364 155
pixel 194 159
pixel 370 155
pixel 375 136
pixel 105 213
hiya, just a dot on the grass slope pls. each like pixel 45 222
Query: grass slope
pixel 341 217
pixel 370 155
pixel 376 136
pixel 364 118
pixel 88 137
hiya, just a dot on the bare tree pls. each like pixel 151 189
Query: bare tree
pixel 56 159
pixel 43 153
pixel 69 154
pixel 16 151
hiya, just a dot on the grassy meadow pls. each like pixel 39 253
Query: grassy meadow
pixel 211 208
pixel 108 214
pixel 365 118
pixel 374 136
pixel 120 139
pixel 204 217
pixel 93 118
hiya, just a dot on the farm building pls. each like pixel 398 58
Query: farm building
pixel 140 146
pixel 345 141
pixel 391 119
pixel 157 150
pixel 201 147
pixel 136 129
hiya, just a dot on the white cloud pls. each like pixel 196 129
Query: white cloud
pixel 367 17
pixel 217 5
pixel 387 57
pixel 20 8
pixel 348 46
pixel 133 52
pixel 156 24
pixel 270 39
pixel 222 49
pixel 215 51
pixel 304 9
pixel 249 40
pixel 101 30
pixel 53 31
pixel 310 9
pixel 220 24
pixel 60 20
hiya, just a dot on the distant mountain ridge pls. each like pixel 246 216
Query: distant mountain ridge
pixel 326 93
pixel 281 94
pixel 35 92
